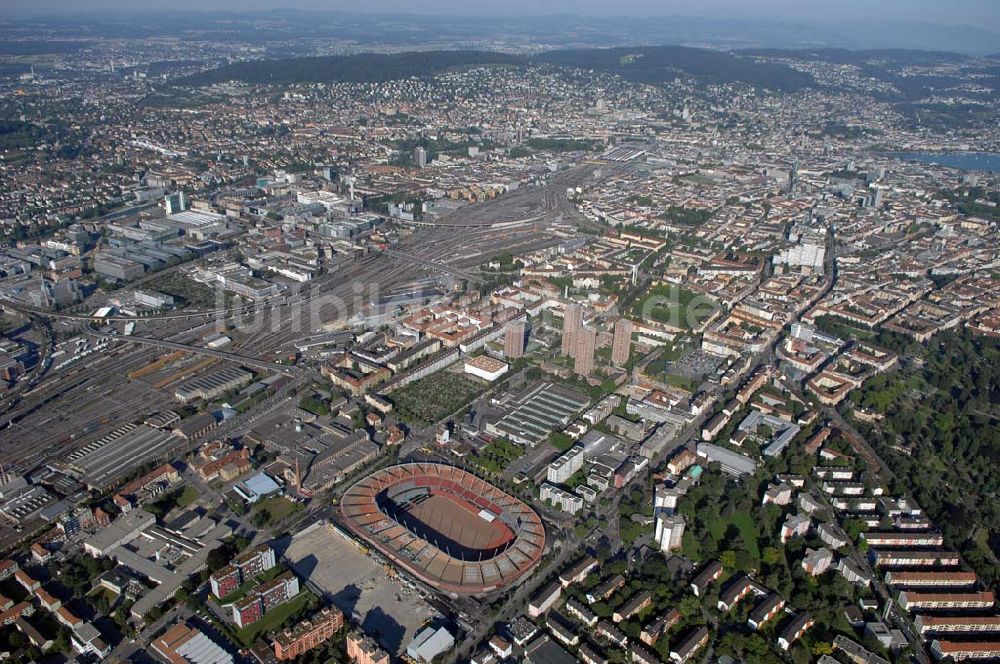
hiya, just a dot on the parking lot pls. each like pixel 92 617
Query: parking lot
pixel 695 365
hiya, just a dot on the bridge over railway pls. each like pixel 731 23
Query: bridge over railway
pixel 14 307
pixel 219 354
pixel 471 277
pixel 485 225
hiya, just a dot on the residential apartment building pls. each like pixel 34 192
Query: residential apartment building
pixel 586 345
pixel 912 601
pixel 669 532
pixel 963 651
pixel 308 634
pixel 572 318
pixel 264 598
pixel 690 645
pixel 621 345
pixel 565 466
pixel 896 558
pixel 242 568
pixel 363 649
pixel 927 625
pixel 765 610
pixel 543 600
pixel 902 539
pixel 932 579
pixel 564 500
pixel 514 336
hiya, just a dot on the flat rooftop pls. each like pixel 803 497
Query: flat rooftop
pixel 542 409
pixel 121 451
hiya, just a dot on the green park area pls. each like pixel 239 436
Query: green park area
pixel 683 382
pixel 842 328
pixel 744 525
pixel 188 495
pixel 673 305
pixel 431 399
pixel 272 510
pixel 561 441
pixel 686 216
pixel 178 498
pixel 495 457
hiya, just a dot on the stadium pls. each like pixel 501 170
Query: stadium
pixel 449 528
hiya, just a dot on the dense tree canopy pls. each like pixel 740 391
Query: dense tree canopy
pixel 941 435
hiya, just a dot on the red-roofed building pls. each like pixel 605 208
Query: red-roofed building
pixel 40 553
pixel 7 568
pixel 19 610
pixel 961 651
pixel 30 584
pixel 308 634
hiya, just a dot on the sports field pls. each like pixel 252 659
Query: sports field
pixel 460 522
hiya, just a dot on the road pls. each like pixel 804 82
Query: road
pixel 515 606
pixel 137 647
pixel 859 443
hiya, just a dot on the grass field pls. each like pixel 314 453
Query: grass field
pixel 277 507
pixel 682 382
pixel 172 500
pixel 696 178
pixel 496 456
pixel 435 397
pixel 673 305
pixel 99 591
pixel 747 529
pixel 842 328
pixel 188 496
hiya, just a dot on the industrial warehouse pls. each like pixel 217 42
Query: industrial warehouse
pixel 538 412
pixel 213 385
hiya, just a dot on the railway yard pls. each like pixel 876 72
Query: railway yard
pixel 75 405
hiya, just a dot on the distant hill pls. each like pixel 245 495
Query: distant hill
pixel 887 65
pixel 643 64
pixel 888 56
pixel 43 47
pixel 361 68
pixel 660 64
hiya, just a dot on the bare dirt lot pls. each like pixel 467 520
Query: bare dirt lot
pixel 339 570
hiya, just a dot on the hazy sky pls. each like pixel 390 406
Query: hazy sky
pixel 980 13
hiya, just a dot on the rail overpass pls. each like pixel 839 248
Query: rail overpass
pixel 471 277
pixel 222 355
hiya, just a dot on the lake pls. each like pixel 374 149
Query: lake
pixel 965 161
